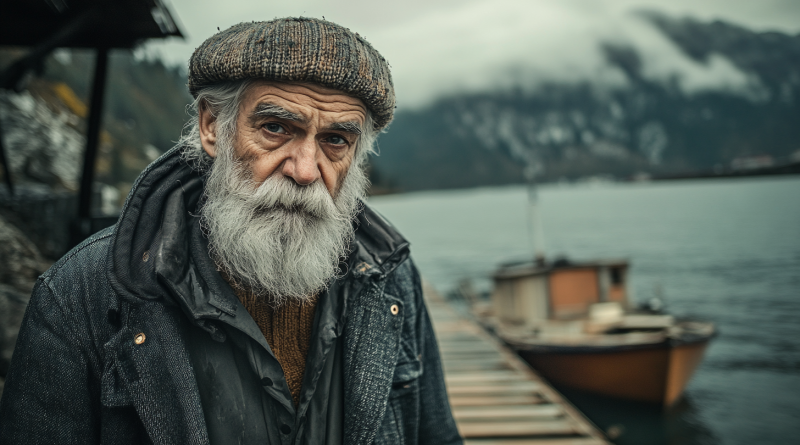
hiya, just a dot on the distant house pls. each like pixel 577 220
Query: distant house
pixel 752 162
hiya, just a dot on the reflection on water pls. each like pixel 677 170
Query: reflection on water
pixel 727 251
pixel 635 423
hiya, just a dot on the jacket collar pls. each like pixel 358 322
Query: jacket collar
pixel 138 233
pixel 378 247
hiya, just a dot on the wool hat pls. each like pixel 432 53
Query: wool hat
pixel 297 50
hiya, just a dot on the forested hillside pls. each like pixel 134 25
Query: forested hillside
pixel 649 126
pixel 558 130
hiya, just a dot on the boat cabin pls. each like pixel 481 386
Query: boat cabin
pixel 527 293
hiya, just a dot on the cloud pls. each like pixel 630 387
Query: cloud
pixel 486 46
pixel 663 61
pixel 439 48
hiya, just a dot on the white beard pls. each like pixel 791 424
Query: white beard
pixel 279 240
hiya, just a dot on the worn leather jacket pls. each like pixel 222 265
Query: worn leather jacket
pixel 80 375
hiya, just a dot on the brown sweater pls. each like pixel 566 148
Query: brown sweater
pixel 288 333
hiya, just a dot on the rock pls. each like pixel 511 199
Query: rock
pixel 20 265
pixel 20 260
pixel 42 145
pixel 12 309
pixel 44 215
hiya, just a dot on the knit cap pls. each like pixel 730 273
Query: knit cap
pixel 297 50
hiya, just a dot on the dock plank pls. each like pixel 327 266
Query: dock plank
pixel 509 411
pixel 485 377
pixel 538 441
pixel 516 429
pixel 496 398
pixel 496 388
pixel 530 399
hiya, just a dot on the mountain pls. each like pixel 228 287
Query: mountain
pixel 650 125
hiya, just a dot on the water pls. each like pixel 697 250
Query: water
pixel 723 250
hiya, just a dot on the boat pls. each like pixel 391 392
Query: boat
pixel 573 323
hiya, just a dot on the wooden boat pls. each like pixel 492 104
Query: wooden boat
pixel 572 322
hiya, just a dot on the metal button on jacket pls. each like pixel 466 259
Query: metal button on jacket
pixel 139 338
pixel 395 309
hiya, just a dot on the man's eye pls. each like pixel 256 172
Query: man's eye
pixel 275 128
pixel 337 140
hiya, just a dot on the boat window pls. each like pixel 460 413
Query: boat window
pixel 616 276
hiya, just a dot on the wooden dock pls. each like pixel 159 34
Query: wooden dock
pixel 497 399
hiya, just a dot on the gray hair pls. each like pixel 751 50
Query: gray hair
pixel 223 101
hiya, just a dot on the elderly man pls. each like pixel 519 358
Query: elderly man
pixel 246 294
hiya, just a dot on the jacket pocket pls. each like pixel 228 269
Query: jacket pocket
pixel 407 372
pixel 401 421
pixel 405 378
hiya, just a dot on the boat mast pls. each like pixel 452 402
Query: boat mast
pixel 533 169
pixel 536 233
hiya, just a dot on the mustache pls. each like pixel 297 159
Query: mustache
pixel 281 194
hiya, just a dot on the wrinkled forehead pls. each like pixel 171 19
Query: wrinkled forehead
pixel 306 102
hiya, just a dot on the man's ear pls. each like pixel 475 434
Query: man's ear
pixel 208 130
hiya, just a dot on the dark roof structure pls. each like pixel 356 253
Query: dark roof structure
pixel 89 23
pixel 43 25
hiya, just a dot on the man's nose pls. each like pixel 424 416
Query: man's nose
pixel 301 163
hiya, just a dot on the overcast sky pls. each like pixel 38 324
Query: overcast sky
pixel 437 47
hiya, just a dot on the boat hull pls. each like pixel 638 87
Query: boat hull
pixel 656 373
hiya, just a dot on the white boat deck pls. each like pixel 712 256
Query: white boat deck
pixel 497 399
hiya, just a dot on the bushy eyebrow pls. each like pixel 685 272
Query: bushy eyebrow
pixel 272 110
pixel 267 109
pixel 352 127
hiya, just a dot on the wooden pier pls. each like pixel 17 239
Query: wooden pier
pixel 497 399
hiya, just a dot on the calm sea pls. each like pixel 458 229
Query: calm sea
pixel 724 250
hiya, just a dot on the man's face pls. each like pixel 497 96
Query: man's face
pixel 304 132
pixel 284 188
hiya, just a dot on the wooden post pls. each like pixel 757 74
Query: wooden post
pixel 92 142
pixel 6 166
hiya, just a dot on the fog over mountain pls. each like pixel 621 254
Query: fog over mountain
pixel 488 89
pixel 454 46
pixel 485 48
pixel 493 94
pixel 685 96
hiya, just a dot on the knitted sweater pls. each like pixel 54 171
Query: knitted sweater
pixel 288 333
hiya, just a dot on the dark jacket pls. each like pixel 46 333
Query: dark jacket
pixel 78 376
